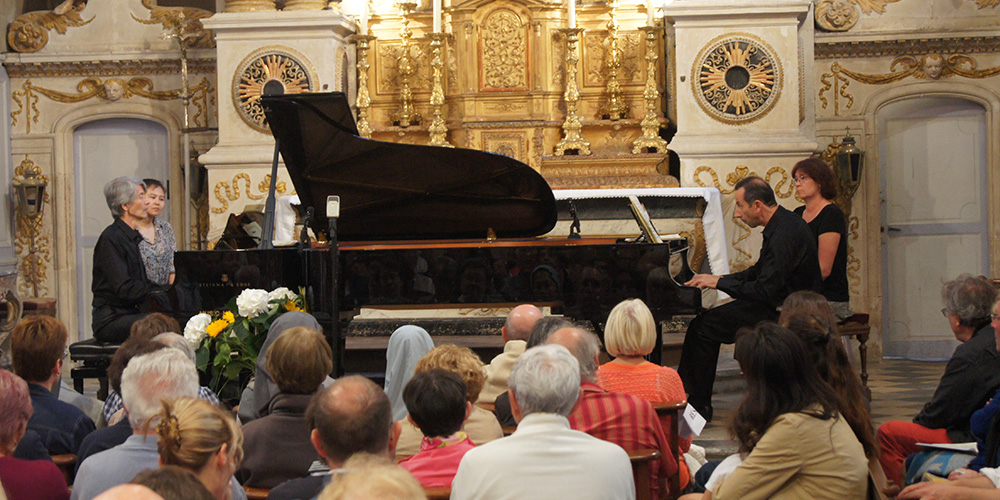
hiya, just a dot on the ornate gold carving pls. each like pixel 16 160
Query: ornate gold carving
pixel 598 52
pixel 112 89
pixel 853 263
pixel 503 58
pixel 985 4
pixel 511 145
pixel 438 130
pixel 363 101
pixel 233 193
pixel 29 242
pixel 611 175
pixel 249 5
pixel 739 78
pixel 129 67
pixel 387 69
pixel 186 20
pixel 650 140
pixel 930 66
pixel 911 47
pixel 406 114
pixel 836 15
pixel 30 32
pixel 572 140
pixel 268 71
pixel 615 107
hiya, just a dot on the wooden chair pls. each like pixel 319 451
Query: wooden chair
pixel 490 407
pixel 508 429
pixel 642 461
pixel 671 412
pixel 857 326
pixel 876 480
pixel 256 493
pixel 440 493
pixel 67 465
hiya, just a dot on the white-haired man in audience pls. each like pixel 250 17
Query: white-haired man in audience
pixel 148 380
pixel 544 458
pixel 623 419
pixel 515 333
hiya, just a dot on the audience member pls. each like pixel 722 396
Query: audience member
pixel 481 426
pixel 153 324
pixel 407 345
pixel 277 445
pixel 148 380
pixel 38 348
pixel 438 407
pixel 173 483
pixel 630 334
pixel 129 492
pixel 623 419
pixel 788 427
pixel 116 434
pixel 971 376
pixel 257 397
pixel 120 285
pixel 977 487
pixel 540 333
pixel 544 457
pixel 202 438
pixel 353 415
pixel 515 333
pixel 788 263
pixel 23 479
pixel 809 316
pixel 370 477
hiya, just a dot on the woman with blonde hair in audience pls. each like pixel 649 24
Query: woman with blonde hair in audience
pixel 788 428
pixel 481 426
pixel 23 479
pixel 808 315
pixel 202 438
pixel 370 477
pixel 278 447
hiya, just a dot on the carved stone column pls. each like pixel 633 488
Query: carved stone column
pixel 305 4
pixel 249 5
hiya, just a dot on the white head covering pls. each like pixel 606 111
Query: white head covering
pixel 407 345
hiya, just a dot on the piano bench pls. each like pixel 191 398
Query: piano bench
pixel 857 326
pixel 94 358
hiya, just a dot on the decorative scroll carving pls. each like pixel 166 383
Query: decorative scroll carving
pixel 232 193
pixel 503 58
pixel 112 89
pixel 836 15
pixel 853 263
pixel 29 243
pixel 125 67
pixel 30 32
pixel 597 53
pixel 180 20
pixel 911 47
pixel 930 67
pixel 388 72
pixel 985 4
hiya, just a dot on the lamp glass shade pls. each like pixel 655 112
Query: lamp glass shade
pixel 30 194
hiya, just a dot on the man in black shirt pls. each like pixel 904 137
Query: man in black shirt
pixel 788 263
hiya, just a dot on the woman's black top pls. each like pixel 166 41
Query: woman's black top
pixel 831 220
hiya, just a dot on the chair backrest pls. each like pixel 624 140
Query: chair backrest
pixel 876 480
pixel 256 493
pixel 642 461
pixel 67 465
pixel 439 493
pixel 671 412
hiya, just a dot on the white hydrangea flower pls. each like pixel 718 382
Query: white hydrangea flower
pixel 252 302
pixel 194 330
pixel 282 293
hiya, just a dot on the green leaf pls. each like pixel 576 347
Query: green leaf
pixel 232 372
pixel 201 358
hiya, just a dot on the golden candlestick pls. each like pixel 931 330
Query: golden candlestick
pixel 405 115
pixel 572 140
pixel 615 108
pixel 363 101
pixel 650 140
pixel 438 129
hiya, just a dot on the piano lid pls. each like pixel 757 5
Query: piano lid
pixel 402 191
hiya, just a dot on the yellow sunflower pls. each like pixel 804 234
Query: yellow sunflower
pixel 216 327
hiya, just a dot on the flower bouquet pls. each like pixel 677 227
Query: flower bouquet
pixel 228 341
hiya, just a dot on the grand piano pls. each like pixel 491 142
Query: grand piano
pixel 426 227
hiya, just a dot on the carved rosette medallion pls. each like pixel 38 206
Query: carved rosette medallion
pixel 269 71
pixel 737 78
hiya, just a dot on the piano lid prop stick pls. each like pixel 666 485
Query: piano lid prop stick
pixel 267 236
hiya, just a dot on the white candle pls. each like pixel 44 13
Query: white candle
pixel 572 14
pixel 363 29
pixel 650 10
pixel 437 16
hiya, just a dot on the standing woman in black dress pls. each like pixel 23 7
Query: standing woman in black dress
pixel 816 185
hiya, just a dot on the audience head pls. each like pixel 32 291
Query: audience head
pixel 264 388
pixel 300 360
pixel 121 192
pixel 545 379
pixel 128 350
pixel 630 330
pixel 584 346
pixel 807 302
pixel 129 492
pixel 201 437
pixel 152 325
pixel 177 341
pixel 15 410
pixel 520 321
pixel 350 416
pixel 38 347
pixel 821 173
pixel 370 477
pixel 968 303
pixel 780 378
pixel 460 361
pixel 173 483
pixel 150 379
pixel 544 328
pixel 436 402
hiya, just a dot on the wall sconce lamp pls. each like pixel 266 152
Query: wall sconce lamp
pixel 847 161
pixel 29 187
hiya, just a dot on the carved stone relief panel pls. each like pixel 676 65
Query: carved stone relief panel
pixel 503 52
pixel 510 144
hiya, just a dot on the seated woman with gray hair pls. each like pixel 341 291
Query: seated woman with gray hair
pixel 120 284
